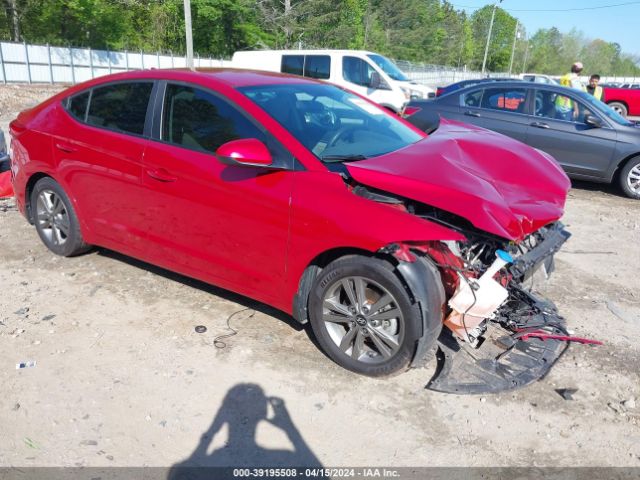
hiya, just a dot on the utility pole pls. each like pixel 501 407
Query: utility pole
pixel 526 52
pixel 513 48
pixel 187 26
pixel 486 48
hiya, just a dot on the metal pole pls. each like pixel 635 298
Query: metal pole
pixel 158 59
pixel 198 59
pixel 4 75
pixel 73 72
pixel 524 63
pixel 513 47
pixel 126 60
pixel 109 60
pixel 189 33
pixel 26 54
pixel 171 52
pixel 486 48
pixel 91 61
pixel 142 59
pixel 49 61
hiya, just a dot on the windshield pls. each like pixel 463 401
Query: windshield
pixel 605 109
pixel 389 67
pixel 333 124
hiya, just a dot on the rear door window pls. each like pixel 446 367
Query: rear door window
pixel 317 66
pixel 292 64
pixel 121 107
pixel 505 99
pixel 196 119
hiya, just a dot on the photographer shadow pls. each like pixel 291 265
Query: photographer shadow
pixel 243 408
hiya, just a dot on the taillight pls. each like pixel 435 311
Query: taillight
pixel 409 110
pixel 439 91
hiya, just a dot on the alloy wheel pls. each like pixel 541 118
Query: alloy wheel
pixel 52 217
pixel 633 179
pixel 363 319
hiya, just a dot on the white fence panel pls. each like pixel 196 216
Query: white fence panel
pixel 48 64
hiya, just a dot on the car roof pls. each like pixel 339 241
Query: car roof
pixel 231 77
pixel 316 51
pixel 517 84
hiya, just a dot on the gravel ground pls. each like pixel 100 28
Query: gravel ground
pixel 122 379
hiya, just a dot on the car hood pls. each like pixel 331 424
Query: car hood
pixel 500 185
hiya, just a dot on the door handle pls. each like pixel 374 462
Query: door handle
pixel 66 148
pixel 161 175
pixel 471 113
pixel 539 125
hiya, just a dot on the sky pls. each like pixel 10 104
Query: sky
pixel 615 24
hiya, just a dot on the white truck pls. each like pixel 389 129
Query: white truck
pixel 369 74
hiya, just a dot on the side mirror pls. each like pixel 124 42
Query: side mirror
pixel 246 152
pixel 592 121
pixel 375 81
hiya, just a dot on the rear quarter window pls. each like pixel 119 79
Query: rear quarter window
pixel 77 105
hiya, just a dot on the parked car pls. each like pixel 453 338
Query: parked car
pixel 311 199
pixel 625 101
pixel 369 74
pixel 538 78
pixel 5 175
pixel 593 143
pixel 468 83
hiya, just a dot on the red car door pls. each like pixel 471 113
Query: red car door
pixel 100 160
pixel 223 224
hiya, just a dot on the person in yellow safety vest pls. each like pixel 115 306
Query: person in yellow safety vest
pixel 565 108
pixel 593 87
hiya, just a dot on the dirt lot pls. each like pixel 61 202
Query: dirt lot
pixel 122 378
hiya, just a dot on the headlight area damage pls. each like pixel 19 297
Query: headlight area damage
pixel 499 334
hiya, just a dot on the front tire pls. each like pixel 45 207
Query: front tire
pixel 630 178
pixel 363 317
pixel 55 219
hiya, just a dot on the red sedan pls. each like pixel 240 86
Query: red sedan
pixel 306 197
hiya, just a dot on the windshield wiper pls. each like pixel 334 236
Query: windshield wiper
pixel 342 158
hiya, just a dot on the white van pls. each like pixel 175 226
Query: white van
pixel 366 73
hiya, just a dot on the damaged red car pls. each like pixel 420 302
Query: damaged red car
pixel 313 200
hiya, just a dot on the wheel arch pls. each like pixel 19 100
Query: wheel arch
pixel 420 277
pixel 316 265
pixel 33 179
pixel 623 102
pixel 613 176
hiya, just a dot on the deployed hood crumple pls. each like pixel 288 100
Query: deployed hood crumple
pixel 500 185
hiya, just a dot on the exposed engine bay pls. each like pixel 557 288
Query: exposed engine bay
pixel 499 335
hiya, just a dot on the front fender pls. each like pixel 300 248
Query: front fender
pixel 424 282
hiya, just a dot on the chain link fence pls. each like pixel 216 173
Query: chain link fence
pixel 440 75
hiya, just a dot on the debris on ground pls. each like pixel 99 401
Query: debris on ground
pixel 566 393
pixel 29 364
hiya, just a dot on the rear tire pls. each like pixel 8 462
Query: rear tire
pixel 629 178
pixel 620 108
pixel 363 317
pixel 55 219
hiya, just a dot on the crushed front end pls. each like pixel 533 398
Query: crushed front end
pixel 500 335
